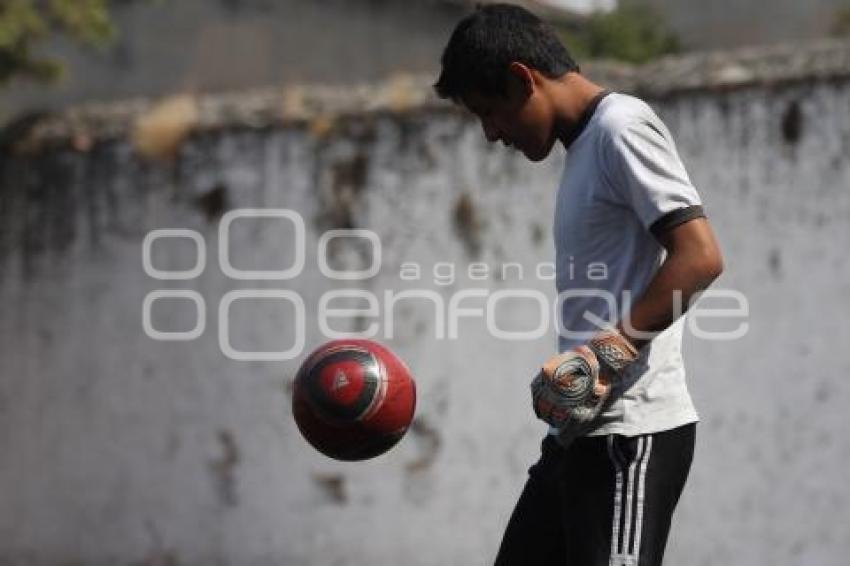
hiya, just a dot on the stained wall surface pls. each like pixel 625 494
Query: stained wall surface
pixel 121 449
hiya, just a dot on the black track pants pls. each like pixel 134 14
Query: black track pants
pixel 603 501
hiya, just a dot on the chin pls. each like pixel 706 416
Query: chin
pixel 535 155
pixel 538 153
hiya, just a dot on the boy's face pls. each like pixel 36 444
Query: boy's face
pixel 519 120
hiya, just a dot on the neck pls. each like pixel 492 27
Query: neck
pixel 572 94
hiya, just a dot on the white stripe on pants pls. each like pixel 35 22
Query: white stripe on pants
pixel 629 486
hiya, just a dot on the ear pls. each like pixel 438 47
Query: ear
pixel 524 76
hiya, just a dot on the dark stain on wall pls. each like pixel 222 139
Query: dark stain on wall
pixel 361 323
pixel 9 170
pixel 417 154
pixel 224 469
pixel 39 207
pixel 537 234
pixel 467 225
pixel 724 105
pixel 340 190
pixel 410 134
pixel 339 199
pixel 332 487
pixel 774 262
pixel 824 392
pixel 792 123
pixel 214 202
pixel 428 442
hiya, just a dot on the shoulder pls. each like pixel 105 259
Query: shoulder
pixel 621 115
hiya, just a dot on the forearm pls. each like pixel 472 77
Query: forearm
pixel 574 385
pixel 692 263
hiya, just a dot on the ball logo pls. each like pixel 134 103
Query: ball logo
pixel 340 381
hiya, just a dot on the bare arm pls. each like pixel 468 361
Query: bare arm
pixel 693 261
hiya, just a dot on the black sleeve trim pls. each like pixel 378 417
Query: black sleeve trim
pixel 675 218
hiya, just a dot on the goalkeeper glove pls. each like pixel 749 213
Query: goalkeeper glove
pixel 574 385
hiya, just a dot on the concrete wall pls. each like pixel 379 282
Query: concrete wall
pixel 773 167
pixel 214 45
pixel 730 23
pixel 118 449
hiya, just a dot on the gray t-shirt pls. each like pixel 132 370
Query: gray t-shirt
pixel 623 182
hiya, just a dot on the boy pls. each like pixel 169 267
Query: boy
pixel 621 420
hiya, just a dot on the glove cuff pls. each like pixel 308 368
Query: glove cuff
pixel 613 350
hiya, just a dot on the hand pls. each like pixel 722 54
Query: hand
pixel 568 388
pixel 573 386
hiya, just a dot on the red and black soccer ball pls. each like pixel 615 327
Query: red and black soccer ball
pixel 353 399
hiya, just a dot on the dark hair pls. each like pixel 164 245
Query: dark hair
pixel 485 43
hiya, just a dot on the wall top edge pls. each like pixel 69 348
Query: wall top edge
pixel 318 107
